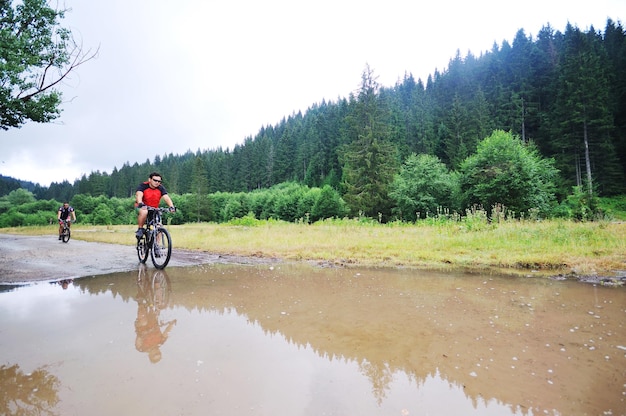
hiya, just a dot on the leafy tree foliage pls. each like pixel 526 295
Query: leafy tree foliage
pixel 36 54
pixel 423 187
pixel 288 201
pixel 20 207
pixel 102 215
pixel 505 171
pixel 328 205
pixel 20 196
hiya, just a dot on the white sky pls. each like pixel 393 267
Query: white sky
pixel 181 75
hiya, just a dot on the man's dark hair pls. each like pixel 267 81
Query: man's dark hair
pixel 155 174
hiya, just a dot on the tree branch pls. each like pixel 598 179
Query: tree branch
pixel 79 59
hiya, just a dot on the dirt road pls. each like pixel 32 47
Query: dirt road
pixel 25 259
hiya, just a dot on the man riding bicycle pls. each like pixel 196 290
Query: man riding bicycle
pixel 63 213
pixel 149 194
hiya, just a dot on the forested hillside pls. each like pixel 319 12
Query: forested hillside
pixel 564 92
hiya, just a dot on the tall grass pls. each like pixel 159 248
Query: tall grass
pixel 474 242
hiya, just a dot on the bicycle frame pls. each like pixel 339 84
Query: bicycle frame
pixel 154 222
pixel 65 233
pixel 156 240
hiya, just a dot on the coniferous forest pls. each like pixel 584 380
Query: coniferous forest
pixel 561 94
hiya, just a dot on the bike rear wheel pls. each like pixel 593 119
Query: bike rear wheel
pixel 65 236
pixel 142 248
pixel 161 248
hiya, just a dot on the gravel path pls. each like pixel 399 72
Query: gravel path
pixel 25 259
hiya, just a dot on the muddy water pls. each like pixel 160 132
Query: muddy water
pixel 294 340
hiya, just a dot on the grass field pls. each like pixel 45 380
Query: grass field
pixel 548 247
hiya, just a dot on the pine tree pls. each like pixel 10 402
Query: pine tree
pixel 369 159
pixel 457 137
pixel 583 110
pixel 200 186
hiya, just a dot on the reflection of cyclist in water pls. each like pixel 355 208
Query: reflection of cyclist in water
pixel 63 283
pixel 152 297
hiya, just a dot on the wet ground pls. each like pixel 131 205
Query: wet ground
pixel 290 339
pixel 209 334
pixel 27 259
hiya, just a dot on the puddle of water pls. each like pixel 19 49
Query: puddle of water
pixel 296 340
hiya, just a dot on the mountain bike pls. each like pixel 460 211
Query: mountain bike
pixel 65 233
pixel 156 240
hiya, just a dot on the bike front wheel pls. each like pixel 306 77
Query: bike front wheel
pixel 65 237
pixel 142 248
pixel 161 248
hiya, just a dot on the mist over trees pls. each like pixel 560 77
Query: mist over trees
pixel 556 102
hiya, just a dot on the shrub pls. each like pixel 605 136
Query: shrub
pixel 423 185
pixel 504 170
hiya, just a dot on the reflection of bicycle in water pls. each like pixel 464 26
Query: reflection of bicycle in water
pixel 155 239
pixel 153 296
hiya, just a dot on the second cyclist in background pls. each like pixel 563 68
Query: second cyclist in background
pixel 149 193
pixel 65 212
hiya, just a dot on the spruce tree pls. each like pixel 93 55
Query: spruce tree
pixel 369 159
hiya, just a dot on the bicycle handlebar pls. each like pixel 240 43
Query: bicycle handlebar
pixel 161 210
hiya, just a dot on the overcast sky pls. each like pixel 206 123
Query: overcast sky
pixel 181 75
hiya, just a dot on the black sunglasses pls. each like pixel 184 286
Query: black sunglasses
pixel 157 180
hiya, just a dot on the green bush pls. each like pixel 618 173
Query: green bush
pixel 246 221
pixel 614 206
pixel 579 205
pixel 50 206
pixel 423 185
pixel 13 218
pixel 102 215
pixel 506 171
pixel 235 207
pixel 39 218
pixel 329 204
